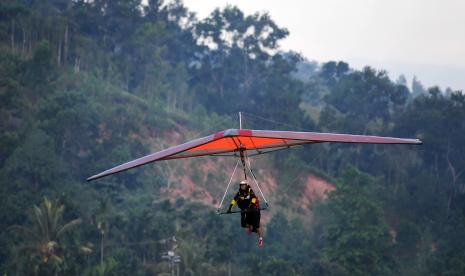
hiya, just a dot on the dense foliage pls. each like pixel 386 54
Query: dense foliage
pixel 85 85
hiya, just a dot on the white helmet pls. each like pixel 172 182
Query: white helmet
pixel 243 182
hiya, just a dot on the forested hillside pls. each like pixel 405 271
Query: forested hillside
pixel 86 85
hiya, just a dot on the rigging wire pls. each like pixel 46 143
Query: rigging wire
pixel 227 188
pixel 255 180
pixel 273 121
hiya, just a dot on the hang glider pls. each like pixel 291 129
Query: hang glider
pixel 248 142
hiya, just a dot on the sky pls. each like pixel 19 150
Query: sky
pixel 425 38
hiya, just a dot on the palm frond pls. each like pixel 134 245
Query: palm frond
pixel 39 218
pixel 68 226
pixel 25 232
pixel 55 220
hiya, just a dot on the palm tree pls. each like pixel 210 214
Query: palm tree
pixel 44 235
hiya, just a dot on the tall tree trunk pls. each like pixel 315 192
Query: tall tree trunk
pixel 65 50
pixel 436 167
pixel 246 73
pixel 77 64
pixel 13 35
pixel 174 100
pixel 23 47
pixel 455 177
pixel 101 250
pixel 449 202
pixel 29 48
pixel 59 54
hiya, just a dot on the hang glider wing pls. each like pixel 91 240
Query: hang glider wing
pixel 232 141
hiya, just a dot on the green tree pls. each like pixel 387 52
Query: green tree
pixel 40 70
pixel 238 51
pixel 437 119
pixel 417 88
pixel 44 239
pixel 365 96
pixel 34 163
pixel 354 231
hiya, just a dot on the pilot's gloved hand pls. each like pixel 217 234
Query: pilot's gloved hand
pixel 229 209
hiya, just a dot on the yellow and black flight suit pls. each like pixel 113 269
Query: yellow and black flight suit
pixel 248 202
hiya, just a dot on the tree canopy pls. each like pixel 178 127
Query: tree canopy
pixel 85 85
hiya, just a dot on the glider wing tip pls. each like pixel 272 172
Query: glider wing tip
pixel 92 178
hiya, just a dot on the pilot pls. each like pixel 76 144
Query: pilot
pixel 249 204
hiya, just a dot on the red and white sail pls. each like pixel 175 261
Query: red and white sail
pixel 232 141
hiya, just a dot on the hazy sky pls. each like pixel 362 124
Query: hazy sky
pixel 425 38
